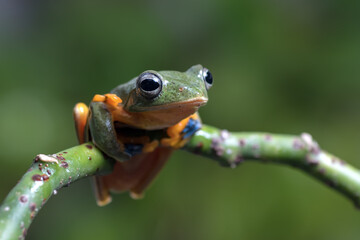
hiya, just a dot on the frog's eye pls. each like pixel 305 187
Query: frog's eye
pixel 149 85
pixel 208 78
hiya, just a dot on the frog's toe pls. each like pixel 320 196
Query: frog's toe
pixel 136 196
pixel 109 98
pixel 101 191
pixel 81 113
pixel 113 99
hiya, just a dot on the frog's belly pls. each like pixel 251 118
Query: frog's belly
pixel 137 173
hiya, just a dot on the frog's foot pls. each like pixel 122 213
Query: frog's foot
pixel 151 146
pixel 174 133
pixel 81 113
pixel 109 99
pixel 180 133
pixel 136 196
pixel 101 191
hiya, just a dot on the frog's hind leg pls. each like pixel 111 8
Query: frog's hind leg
pixel 81 115
pixel 154 162
pixel 136 175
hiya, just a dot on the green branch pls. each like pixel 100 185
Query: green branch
pixel 41 181
pixel 44 178
pixel 230 149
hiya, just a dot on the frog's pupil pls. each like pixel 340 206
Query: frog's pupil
pixel 208 78
pixel 149 85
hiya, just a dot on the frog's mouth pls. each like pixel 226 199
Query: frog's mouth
pixel 165 115
pixel 192 103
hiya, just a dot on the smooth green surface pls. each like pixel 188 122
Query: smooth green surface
pixel 278 66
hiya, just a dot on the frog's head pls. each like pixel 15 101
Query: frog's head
pixel 170 95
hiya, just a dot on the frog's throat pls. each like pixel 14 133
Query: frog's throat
pixel 192 103
pixel 159 117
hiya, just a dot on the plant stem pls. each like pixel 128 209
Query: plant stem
pixel 230 149
pixel 43 180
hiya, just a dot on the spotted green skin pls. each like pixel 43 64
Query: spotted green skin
pixel 101 125
pixel 190 81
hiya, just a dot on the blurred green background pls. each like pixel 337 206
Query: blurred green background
pixel 282 66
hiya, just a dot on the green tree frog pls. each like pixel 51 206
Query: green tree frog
pixel 140 123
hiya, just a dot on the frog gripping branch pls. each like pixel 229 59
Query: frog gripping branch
pixel 125 125
pixel 128 134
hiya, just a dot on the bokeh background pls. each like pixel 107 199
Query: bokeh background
pixel 282 66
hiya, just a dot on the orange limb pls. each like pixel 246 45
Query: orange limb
pixel 99 98
pixel 109 98
pixel 174 132
pixel 112 99
pixel 149 147
pixel 81 113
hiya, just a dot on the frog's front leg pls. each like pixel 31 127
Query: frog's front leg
pixel 103 132
pixel 180 133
